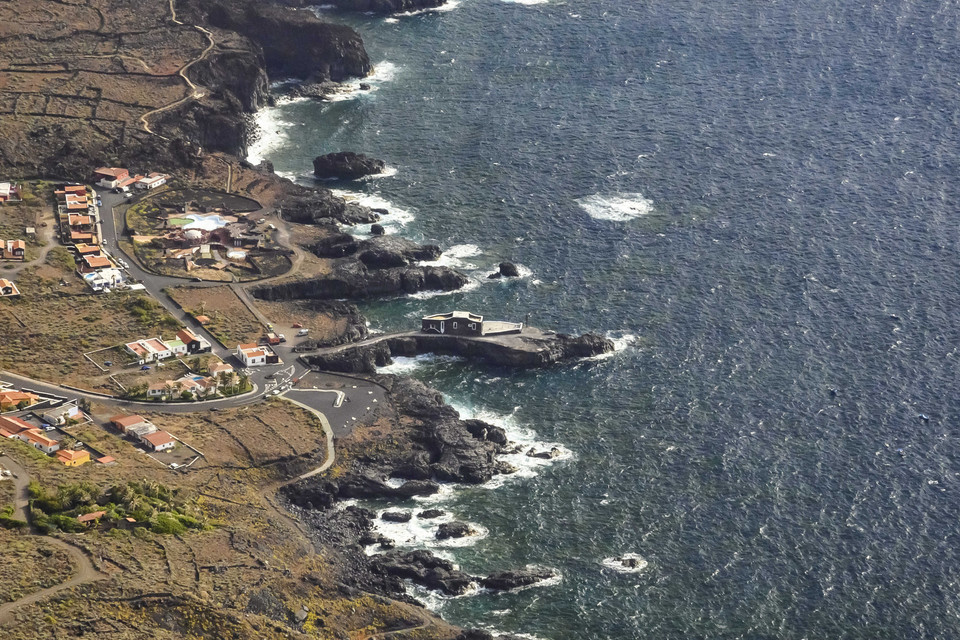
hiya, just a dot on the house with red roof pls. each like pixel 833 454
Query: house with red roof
pixel 110 177
pixel 159 440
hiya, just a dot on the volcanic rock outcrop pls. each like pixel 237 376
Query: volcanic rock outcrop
pixel 346 165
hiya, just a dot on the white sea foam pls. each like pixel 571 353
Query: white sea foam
pixel 471 285
pixel 273 131
pixel 396 219
pixel 621 342
pixel 522 439
pixel 526 2
pixel 616 565
pixel 450 5
pixel 403 365
pixel 618 208
pixel 384 71
pixel 419 533
pixel 454 257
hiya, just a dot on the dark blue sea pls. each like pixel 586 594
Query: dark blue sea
pixel 758 200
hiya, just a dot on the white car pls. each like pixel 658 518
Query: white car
pixel 275 392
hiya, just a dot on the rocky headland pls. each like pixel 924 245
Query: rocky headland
pixel 346 165
pixel 532 348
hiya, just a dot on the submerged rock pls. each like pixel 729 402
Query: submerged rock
pixel 346 165
pixel 554 452
pixel 507 580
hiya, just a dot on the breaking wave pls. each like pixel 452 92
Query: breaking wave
pixel 619 208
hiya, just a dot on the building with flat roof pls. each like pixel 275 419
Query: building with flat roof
pixel 464 323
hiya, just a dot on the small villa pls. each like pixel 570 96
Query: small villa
pixel 9 192
pixel 10 399
pixel 252 355
pixel 464 323
pixel 73 458
pixel 12 249
pixel 8 289
pixel 110 177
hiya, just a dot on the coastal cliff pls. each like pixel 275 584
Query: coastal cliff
pixel 294 43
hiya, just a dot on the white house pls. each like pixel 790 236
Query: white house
pixel 152 181
pixel 150 350
pixel 110 177
pixel 158 440
pixel 61 414
pixel 252 355
pixel 177 347
pixel 36 439
pixel 103 280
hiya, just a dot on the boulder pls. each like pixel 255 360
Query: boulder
pixel 509 270
pixel 425 569
pixel 377 230
pixel 346 165
pixel 449 530
pixel 396 516
pixel 507 580
pixel 428 514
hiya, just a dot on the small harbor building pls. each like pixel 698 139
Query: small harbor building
pixel 464 323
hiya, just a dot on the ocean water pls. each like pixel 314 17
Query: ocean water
pixel 759 200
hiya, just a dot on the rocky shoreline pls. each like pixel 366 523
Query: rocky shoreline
pixel 437 447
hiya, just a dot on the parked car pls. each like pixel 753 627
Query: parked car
pixel 108 363
pixel 302 332
pixel 78 445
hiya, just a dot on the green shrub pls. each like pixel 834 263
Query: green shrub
pixel 168 524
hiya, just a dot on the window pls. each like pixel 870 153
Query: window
pixel 454 325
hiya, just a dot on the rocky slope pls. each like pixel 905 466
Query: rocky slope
pixel 380 266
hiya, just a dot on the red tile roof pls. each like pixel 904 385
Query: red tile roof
pixel 158 438
pixel 124 422
pixel 14 425
pixel 97 262
pixel 89 517
pixel 111 172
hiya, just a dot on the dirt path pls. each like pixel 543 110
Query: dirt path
pixel 85 570
pixel 20 483
pixel 85 573
pixel 195 92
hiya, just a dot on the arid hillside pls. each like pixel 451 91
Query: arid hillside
pixel 123 81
